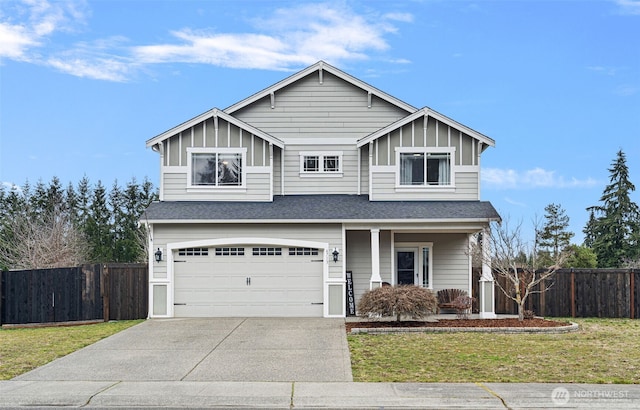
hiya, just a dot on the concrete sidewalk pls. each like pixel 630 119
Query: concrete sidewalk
pixel 317 395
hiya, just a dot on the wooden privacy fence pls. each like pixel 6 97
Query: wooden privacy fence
pixel 87 292
pixel 579 293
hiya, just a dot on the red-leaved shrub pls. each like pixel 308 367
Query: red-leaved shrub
pixel 404 300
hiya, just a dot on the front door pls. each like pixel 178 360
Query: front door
pixel 407 266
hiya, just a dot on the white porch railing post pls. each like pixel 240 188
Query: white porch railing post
pixel 376 279
pixel 487 302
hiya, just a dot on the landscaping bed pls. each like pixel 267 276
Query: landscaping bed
pixel 458 323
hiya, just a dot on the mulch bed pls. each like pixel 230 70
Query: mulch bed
pixel 479 323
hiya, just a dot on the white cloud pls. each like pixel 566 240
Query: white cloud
pixel 289 38
pixel 497 178
pixel 514 202
pixel 99 69
pixel 32 22
pixel 285 40
pixel 403 17
pixel 610 71
pixel 629 7
pixel 626 90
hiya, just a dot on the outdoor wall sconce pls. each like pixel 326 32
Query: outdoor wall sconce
pixel 158 255
pixel 335 254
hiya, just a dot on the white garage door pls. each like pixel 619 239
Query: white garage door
pixel 254 280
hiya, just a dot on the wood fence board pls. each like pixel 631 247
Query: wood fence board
pixel 72 294
pixel 596 293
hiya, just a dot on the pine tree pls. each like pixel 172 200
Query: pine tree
pixel 614 230
pixel 554 237
pixel 98 227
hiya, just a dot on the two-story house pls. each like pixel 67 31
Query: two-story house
pixel 267 207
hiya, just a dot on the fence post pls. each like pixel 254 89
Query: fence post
pixel 541 299
pixel 106 290
pixel 632 290
pixel 573 293
pixel 1 277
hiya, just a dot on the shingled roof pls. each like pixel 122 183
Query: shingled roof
pixel 335 208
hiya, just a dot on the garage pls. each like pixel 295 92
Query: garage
pixel 248 281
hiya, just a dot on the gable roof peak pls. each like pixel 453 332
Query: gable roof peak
pixel 215 113
pixel 320 66
pixel 426 112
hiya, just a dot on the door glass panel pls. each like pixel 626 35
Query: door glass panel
pixel 405 262
pixel 425 267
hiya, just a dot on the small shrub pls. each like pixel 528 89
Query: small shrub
pixel 462 305
pixel 528 314
pixel 403 300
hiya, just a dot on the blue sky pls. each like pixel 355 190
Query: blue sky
pixel 83 84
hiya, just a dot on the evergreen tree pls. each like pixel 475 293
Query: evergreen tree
pixel 614 229
pixel 90 225
pixel 580 257
pixel 98 227
pixel 589 229
pixel 84 200
pixel 554 237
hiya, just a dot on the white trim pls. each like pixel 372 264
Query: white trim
pixel 359 173
pixel 321 156
pixel 375 258
pixel 333 141
pixel 259 170
pixel 282 171
pixel 389 169
pixel 271 182
pixel 427 112
pixel 205 150
pixel 215 114
pixel 426 187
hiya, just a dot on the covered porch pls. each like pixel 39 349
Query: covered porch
pixel 432 257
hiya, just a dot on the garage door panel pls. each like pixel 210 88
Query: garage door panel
pixel 218 285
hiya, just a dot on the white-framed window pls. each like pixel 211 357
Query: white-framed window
pixel 302 251
pixel 321 163
pixel 216 167
pixel 425 167
pixel 229 251
pixel 267 251
pixel 193 252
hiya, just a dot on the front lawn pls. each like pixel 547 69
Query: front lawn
pixel 602 351
pixel 25 349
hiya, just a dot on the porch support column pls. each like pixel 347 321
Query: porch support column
pixel 376 280
pixel 487 300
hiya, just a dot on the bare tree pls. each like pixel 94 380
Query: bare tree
pixel 516 276
pixel 49 240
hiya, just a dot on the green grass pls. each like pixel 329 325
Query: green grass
pixel 24 349
pixel 602 351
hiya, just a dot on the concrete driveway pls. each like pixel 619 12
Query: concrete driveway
pixel 211 349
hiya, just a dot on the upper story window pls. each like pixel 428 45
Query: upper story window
pixel 216 167
pixel 425 167
pixel 321 163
